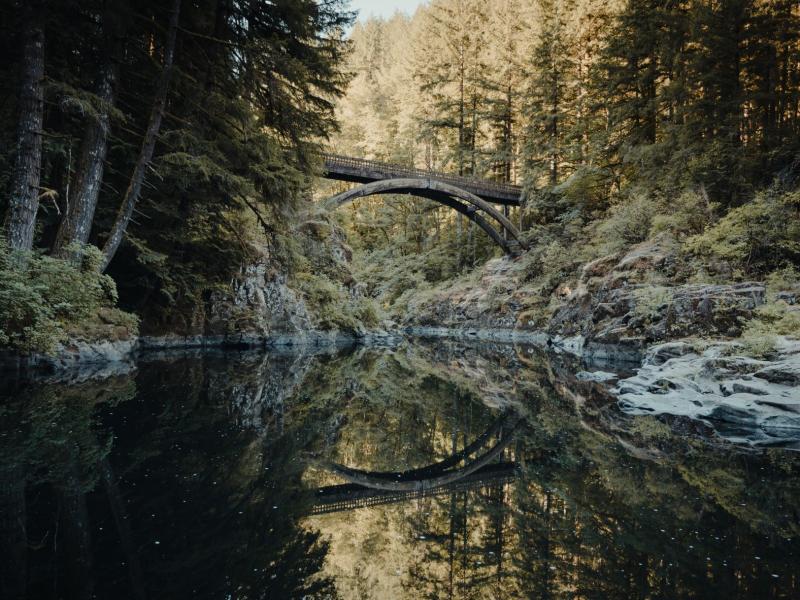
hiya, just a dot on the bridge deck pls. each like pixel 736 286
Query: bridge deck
pixel 358 170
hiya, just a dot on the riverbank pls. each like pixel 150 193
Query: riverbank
pixel 713 383
pixel 105 356
pixel 657 344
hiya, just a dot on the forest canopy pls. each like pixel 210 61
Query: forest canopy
pixel 622 120
pixel 166 134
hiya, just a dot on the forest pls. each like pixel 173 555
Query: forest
pixel 152 152
pixel 622 120
pixel 229 370
pixel 146 145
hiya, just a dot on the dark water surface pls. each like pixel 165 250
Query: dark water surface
pixel 423 471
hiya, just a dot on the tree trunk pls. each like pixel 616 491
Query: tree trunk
pixel 148 143
pixel 81 203
pixel 554 133
pixel 24 202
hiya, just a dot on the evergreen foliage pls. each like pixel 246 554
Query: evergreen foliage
pixel 250 95
pixel 622 120
pixel 45 299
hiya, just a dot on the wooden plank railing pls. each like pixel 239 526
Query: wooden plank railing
pixel 337 163
pixel 352 497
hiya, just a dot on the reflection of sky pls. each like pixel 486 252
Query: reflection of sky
pixel 383 8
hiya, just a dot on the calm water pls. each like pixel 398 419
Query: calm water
pixel 424 471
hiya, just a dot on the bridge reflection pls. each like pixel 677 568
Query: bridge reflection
pixel 366 488
pixel 350 496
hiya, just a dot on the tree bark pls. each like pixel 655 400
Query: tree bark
pixel 148 143
pixel 24 201
pixel 81 203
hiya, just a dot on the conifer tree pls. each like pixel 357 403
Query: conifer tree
pixel 549 97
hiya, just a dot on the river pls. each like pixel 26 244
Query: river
pixel 423 470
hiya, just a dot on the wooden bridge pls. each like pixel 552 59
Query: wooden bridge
pixel 359 170
pixel 471 197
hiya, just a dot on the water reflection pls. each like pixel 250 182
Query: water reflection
pixel 423 471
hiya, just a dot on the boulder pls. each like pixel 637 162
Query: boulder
pixel 790 296
pixel 743 399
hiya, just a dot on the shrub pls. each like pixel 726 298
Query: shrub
pixel 761 235
pixel 758 340
pixel 775 318
pixel 586 189
pixel 685 215
pixel 628 223
pixel 43 299
pixel 332 304
pixel 783 279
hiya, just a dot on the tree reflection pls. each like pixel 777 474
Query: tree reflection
pixel 196 477
pixel 186 501
pixel 587 517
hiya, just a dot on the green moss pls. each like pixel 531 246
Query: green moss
pixel 650 429
pixel 650 301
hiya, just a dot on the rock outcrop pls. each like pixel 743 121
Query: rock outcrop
pixel 75 360
pixel 615 307
pixel 623 301
pixel 747 400
pixel 260 304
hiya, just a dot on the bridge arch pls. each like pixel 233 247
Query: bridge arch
pixel 471 206
pixel 439 474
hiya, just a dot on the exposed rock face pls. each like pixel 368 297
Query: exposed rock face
pixel 791 296
pixel 260 307
pixel 260 304
pixel 614 304
pixel 77 360
pixel 744 399
pixel 615 308
pixel 486 304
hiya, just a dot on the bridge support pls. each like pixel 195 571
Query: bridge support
pixel 503 232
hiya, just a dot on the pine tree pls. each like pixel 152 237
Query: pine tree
pixel 549 98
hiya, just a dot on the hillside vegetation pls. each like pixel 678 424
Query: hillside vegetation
pixel 623 121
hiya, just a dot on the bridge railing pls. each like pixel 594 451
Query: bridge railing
pixel 338 161
pixel 358 497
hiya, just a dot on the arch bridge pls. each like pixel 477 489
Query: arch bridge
pixel 471 197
